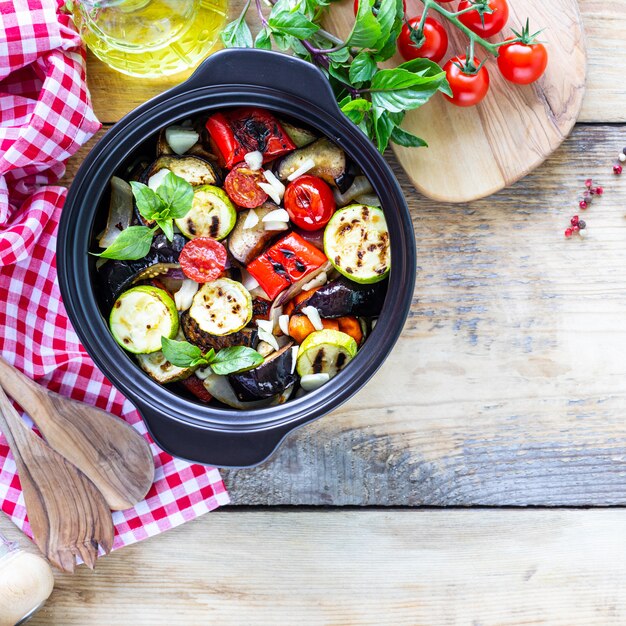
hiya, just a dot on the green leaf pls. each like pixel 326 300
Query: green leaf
pixel 177 195
pixel 148 202
pixel 406 139
pixel 367 30
pixel 387 49
pixel 237 34
pixel 167 227
pixel 363 67
pixel 131 244
pixel 338 56
pixel 384 127
pixel 390 15
pixel 235 359
pixel 263 40
pixel 291 21
pixel 182 353
pixel 398 90
pixel 356 109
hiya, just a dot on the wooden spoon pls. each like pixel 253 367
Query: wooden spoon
pixel 67 514
pixel 112 454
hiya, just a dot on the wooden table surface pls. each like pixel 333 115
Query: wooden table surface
pixel 507 388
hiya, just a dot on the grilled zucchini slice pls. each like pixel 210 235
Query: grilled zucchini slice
pixel 160 369
pixel 325 352
pixel 193 169
pixel 212 214
pixel 141 316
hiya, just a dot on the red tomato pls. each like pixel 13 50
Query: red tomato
pixel 494 22
pixel 355 6
pixel 522 63
pixel 434 40
pixel 241 186
pixel 467 89
pixel 309 202
pixel 203 259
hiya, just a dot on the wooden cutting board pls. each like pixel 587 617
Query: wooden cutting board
pixel 475 152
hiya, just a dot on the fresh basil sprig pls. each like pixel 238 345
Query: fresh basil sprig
pixel 226 361
pixel 172 200
pixel 374 98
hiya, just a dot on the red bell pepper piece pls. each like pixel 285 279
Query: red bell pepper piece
pixel 287 261
pixel 247 129
pixel 194 385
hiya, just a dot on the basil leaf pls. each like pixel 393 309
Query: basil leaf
pixel 362 68
pixel 398 90
pixel 407 139
pixel 263 40
pixel 148 202
pixel 355 110
pixel 367 30
pixel 167 227
pixel 291 21
pixel 384 127
pixel 182 353
pixel 390 14
pixel 235 359
pixel 237 34
pixel 177 195
pixel 131 244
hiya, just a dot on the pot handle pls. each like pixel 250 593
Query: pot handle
pixel 265 68
pixel 217 448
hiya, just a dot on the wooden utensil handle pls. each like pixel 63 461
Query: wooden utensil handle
pixel 12 427
pixel 30 396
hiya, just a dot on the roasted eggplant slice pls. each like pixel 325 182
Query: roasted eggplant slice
pixel 300 136
pixel 245 244
pixel 329 159
pixel 270 378
pixel 205 341
pixel 345 297
pixel 193 169
pixel 116 276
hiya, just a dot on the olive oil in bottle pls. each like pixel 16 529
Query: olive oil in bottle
pixel 150 38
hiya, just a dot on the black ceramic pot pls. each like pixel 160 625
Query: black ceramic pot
pixel 289 86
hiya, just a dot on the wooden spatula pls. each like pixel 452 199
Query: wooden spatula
pixel 67 514
pixel 112 454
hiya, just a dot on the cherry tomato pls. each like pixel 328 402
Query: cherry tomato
pixel 241 186
pixel 309 202
pixel 355 6
pixel 467 89
pixel 522 63
pixel 203 259
pixel 434 41
pixel 494 22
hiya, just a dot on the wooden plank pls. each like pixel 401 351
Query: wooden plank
pixel 507 386
pixel 605 100
pixel 430 568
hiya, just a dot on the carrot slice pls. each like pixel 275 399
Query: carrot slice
pixel 300 327
pixel 351 326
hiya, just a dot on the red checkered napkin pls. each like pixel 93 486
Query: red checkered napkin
pixel 45 116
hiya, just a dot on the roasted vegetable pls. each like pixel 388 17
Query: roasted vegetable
pixel 261 309
pixel 196 388
pixel 300 326
pixel 193 169
pixel 300 136
pixel 288 261
pixel 325 352
pixel 345 297
pixel 247 129
pixel 270 378
pixel 205 341
pixel 212 214
pixel 356 242
pixel 120 211
pixel 141 316
pixel 116 276
pixel 245 244
pixel 160 369
pixel 329 159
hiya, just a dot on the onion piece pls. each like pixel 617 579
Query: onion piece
pixel 277 215
pixel 360 186
pixel 314 317
pixel 270 191
pixel 266 325
pixel 270 177
pixel 276 226
pixel 154 182
pixel 252 219
pixel 180 139
pixel 248 281
pixel 254 160
pixel 221 390
pixel 294 357
pixel 264 348
pixel 283 324
pixel 311 382
pixel 307 164
pixel 120 211
pixel 259 292
pixel 318 281
pixel 269 338
pixel 369 199
pixel 296 287
pixel 185 294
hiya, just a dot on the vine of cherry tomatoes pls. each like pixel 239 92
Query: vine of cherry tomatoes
pixel 521 59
